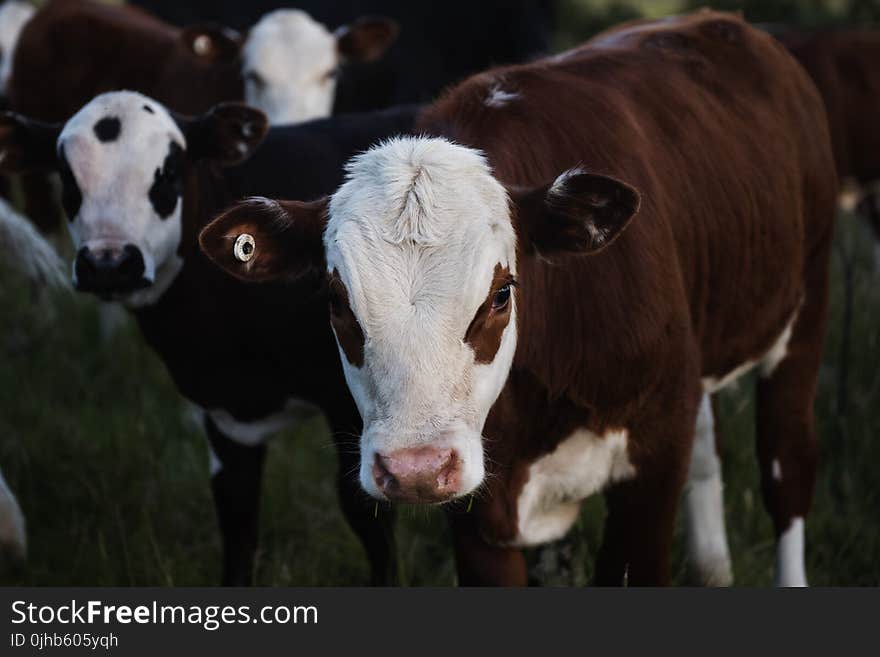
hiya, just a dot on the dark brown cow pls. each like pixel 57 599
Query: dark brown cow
pixel 845 65
pixel 651 219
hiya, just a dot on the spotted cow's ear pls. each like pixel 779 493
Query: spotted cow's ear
pixel 578 213
pixel 26 145
pixel 212 42
pixel 366 39
pixel 263 240
pixel 227 134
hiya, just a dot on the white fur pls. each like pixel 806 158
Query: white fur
pixel 415 234
pixel 255 432
pixel 790 569
pixel 581 465
pixel 28 251
pixel 498 97
pixel 704 507
pixel 776 470
pixel 296 57
pixel 768 362
pixel 114 179
pixel 14 14
pixel 13 539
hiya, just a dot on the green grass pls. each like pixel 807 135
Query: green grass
pixel 113 478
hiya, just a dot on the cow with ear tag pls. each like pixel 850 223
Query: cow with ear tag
pixel 534 301
pixel 138 184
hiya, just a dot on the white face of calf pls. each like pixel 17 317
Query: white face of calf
pixel 121 161
pixel 421 245
pixel 290 62
pixel 421 255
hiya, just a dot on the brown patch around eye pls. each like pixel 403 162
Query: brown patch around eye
pixel 487 327
pixel 345 324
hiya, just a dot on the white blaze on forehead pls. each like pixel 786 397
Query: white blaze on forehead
pixel 415 234
pixel 294 58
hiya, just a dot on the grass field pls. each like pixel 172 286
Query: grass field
pixel 113 478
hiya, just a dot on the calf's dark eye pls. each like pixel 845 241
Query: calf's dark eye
pixel 501 298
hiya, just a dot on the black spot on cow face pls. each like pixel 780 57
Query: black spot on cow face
pixel 71 196
pixel 107 129
pixel 168 182
pixel 148 109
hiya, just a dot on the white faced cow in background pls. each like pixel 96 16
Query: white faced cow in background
pixel 291 62
pixel 138 184
pixel 285 65
pixel 595 243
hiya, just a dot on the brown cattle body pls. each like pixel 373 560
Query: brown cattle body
pixel 725 138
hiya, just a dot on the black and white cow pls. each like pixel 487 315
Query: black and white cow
pixel 138 184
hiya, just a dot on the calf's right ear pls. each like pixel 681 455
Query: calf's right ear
pixel 26 145
pixel 264 240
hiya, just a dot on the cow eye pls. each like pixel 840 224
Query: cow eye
pixel 331 74
pixel 255 78
pixel 501 298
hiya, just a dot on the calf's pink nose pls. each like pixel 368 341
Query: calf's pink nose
pixel 418 475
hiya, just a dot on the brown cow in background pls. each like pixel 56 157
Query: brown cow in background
pixel 845 65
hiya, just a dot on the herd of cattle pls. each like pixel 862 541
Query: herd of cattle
pixel 518 295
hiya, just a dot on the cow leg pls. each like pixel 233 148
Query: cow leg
pixel 13 540
pixel 786 431
pixel 372 522
pixel 637 544
pixel 481 564
pixel 709 556
pixel 236 481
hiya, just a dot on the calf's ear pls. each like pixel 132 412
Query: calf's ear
pixel 26 145
pixel 264 240
pixel 578 213
pixel 212 42
pixel 228 133
pixel 366 39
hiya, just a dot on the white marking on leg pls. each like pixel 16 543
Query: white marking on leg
pixel 776 469
pixel 790 569
pixel 704 507
pixel 13 539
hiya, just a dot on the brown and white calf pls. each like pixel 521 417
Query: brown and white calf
pixel 138 185
pixel 535 303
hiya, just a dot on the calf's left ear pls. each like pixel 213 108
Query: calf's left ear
pixel 263 240
pixel 579 212
pixel 228 133
pixel 366 39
